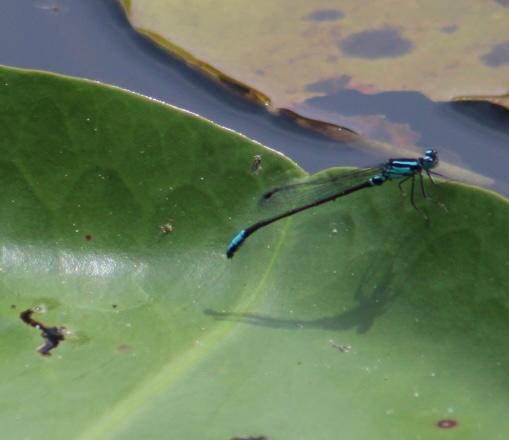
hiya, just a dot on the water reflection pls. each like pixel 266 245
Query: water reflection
pixel 472 134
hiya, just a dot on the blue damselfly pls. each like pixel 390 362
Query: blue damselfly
pixel 328 189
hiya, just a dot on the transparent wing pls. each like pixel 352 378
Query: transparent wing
pixel 302 192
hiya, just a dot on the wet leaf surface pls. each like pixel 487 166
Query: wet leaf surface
pixel 169 339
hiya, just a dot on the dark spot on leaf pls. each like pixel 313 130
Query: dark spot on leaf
pixel 449 29
pixel 299 363
pixel 52 336
pixel 114 306
pixel 123 348
pixel 447 423
pixel 378 43
pixel 262 437
pixel 325 15
pixel 88 237
pixel 13 306
pixel 498 56
pixel 328 86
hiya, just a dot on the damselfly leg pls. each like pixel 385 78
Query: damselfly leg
pixel 423 190
pixel 426 196
pixel 401 190
pixel 424 193
pixel 430 177
pixel 412 197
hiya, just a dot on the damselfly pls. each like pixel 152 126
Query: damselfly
pixel 328 189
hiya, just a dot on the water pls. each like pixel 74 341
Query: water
pixel 92 39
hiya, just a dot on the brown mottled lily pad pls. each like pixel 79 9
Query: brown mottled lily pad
pixel 502 100
pixel 287 49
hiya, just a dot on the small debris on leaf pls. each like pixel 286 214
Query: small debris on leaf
pixel 166 228
pixel 52 336
pixel 343 348
pixel 256 165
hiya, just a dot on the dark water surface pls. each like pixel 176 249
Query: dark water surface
pixel 92 39
pixel 475 134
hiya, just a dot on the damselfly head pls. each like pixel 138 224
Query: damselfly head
pixel 430 159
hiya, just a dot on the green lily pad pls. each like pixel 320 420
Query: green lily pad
pixel 354 320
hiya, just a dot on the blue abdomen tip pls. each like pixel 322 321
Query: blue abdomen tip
pixel 235 243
